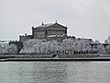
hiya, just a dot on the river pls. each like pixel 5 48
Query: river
pixel 55 72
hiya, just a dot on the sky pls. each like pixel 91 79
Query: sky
pixel 84 18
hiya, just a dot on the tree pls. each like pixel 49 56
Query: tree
pixel 101 49
pixel 97 42
pixel 106 42
pixel 109 38
pixel 12 49
pixel 39 46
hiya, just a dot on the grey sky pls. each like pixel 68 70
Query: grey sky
pixel 84 18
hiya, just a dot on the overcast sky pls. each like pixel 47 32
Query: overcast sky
pixel 84 18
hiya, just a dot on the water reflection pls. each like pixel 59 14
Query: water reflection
pixel 54 72
pixel 50 73
pixel 34 72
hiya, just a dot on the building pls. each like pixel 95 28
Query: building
pixel 52 31
pixel 49 30
pixel 25 37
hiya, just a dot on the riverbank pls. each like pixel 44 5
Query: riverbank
pixel 56 59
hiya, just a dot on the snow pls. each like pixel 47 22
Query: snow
pixel 12 49
pixel 6 48
pixel 108 48
pixel 46 47
pixel 45 25
pixel 101 49
pixel 76 45
pixel 39 46
pixel 56 35
pixel 52 35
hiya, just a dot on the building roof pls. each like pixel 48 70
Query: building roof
pixel 48 25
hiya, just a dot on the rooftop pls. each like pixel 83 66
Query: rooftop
pixel 48 25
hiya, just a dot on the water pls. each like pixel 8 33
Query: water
pixel 54 72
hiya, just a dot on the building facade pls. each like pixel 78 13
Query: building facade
pixel 52 31
pixel 48 30
pixel 25 37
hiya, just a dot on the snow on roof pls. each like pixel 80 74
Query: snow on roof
pixel 52 35
pixel 56 35
pixel 48 25
pixel 45 25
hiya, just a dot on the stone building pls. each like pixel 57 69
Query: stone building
pixel 25 37
pixel 52 31
pixel 49 30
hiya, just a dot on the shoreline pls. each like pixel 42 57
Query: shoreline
pixel 56 59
